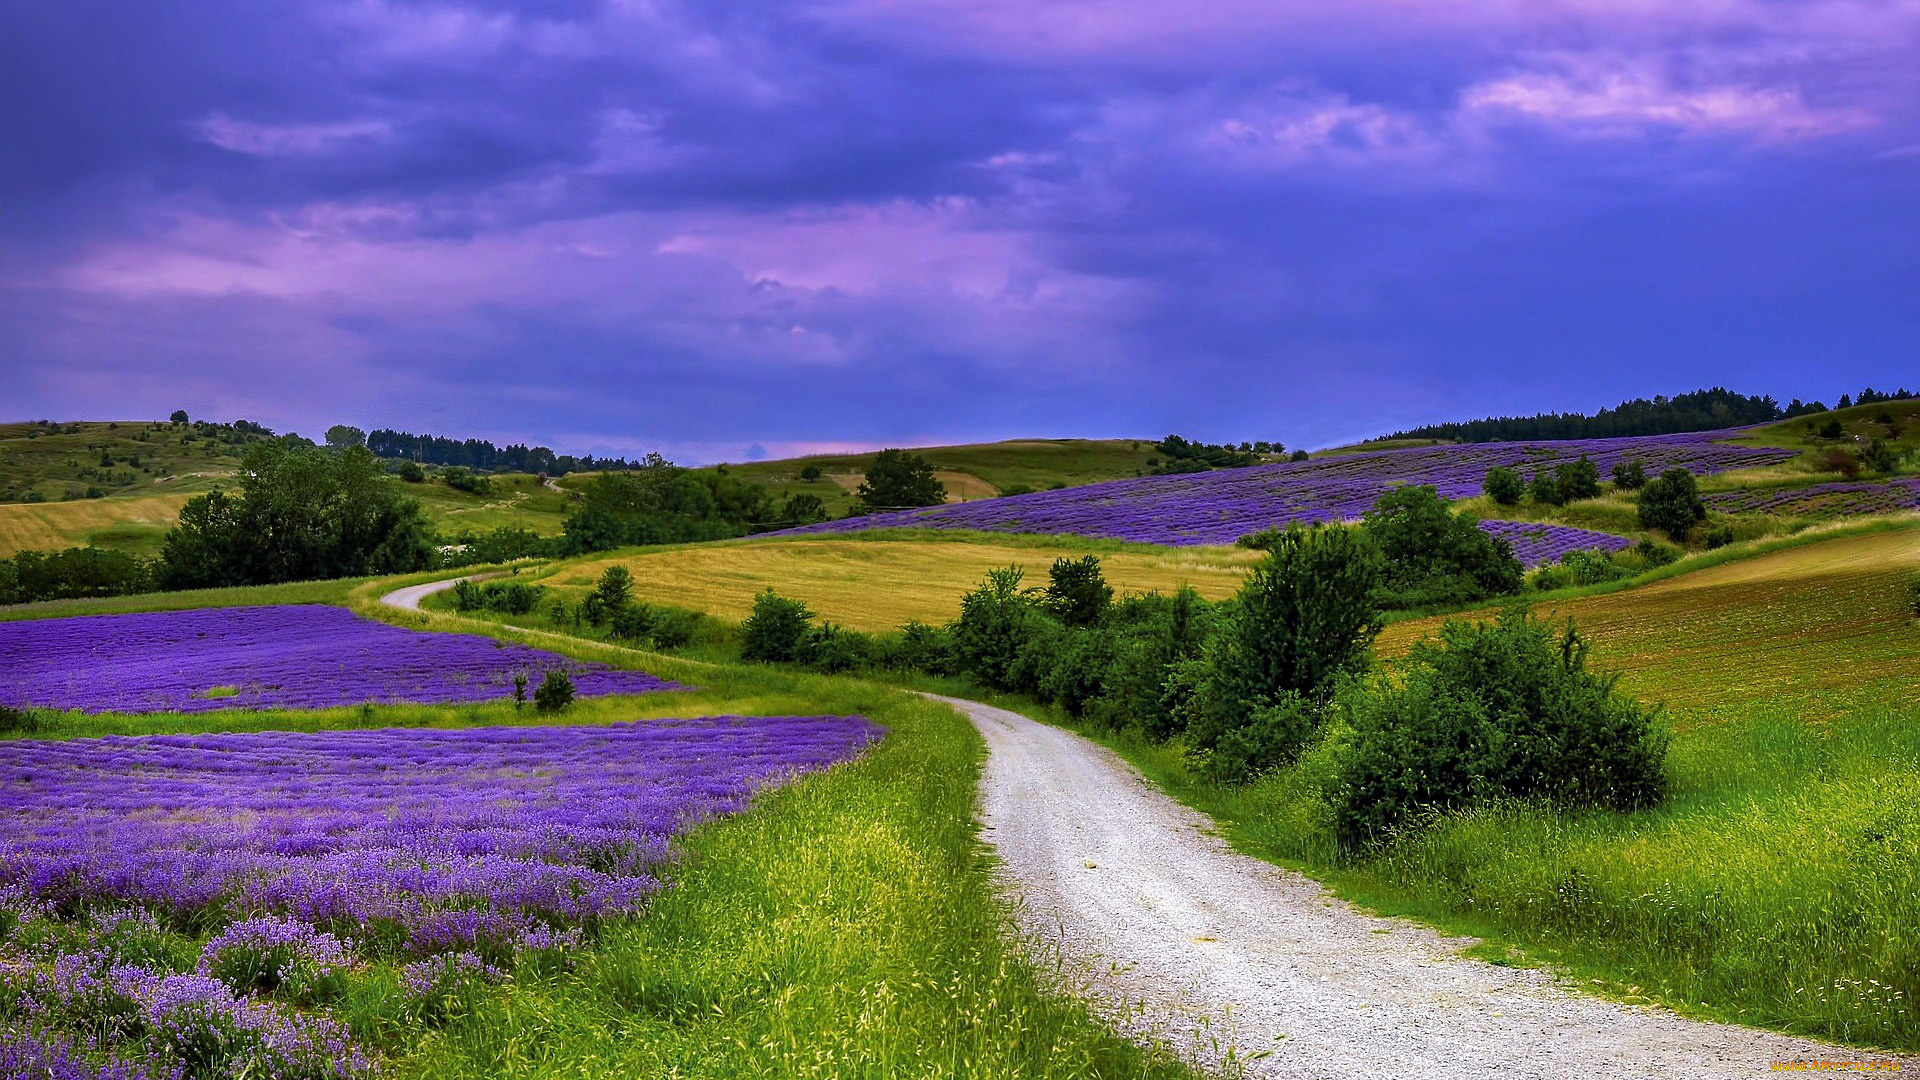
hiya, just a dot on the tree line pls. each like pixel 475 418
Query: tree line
pixel 1701 410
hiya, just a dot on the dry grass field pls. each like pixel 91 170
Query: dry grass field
pixel 880 584
pixel 130 524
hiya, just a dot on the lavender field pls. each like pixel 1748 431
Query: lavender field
pixel 447 852
pixel 1222 506
pixel 291 657
pixel 1820 500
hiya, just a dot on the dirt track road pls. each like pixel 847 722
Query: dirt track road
pixel 1158 911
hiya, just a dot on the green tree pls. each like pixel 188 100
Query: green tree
pixel 804 508
pixel 1504 486
pixel 1671 503
pixel 899 480
pixel 341 436
pixel 178 418
pixel 1630 475
pixel 1432 555
pixel 1880 458
pixel 1305 617
pixel 777 631
pixel 1578 479
pixel 1545 488
pixel 1077 590
pixel 614 590
pixel 996 621
pixel 809 473
pixel 555 691
pixel 301 514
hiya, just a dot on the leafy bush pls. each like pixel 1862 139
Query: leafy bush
pixel 777 630
pixel 1630 475
pixel 17 721
pixel 921 647
pixel 1844 462
pixel 1305 617
pixel 75 572
pixel 1545 488
pixel 1720 537
pixel 996 621
pixel 1880 458
pixel 467 596
pixel 1504 486
pixel 898 480
pixel 1671 503
pixel 461 479
pixel 410 472
pixel 1434 556
pixel 1273 735
pixel 1505 710
pixel 555 691
pixel 1077 592
pixel 834 649
pixel 1590 566
pixel 1577 479
pixel 1829 429
pixel 804 508
pixel 1655 554
pixel 277 956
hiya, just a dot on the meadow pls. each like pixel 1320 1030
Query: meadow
pixel 1779 882
pixel 839 925
pixel 878 581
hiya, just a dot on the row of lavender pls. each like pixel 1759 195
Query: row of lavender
pixel 1220 507
pixel 290 657
pixel 1820 500
pixel 455 853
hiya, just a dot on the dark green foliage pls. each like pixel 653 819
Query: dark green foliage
pixel 466 596
pixel 1654 553
pixel 809 473
pixel 899 480
pixel 504 544
pixel 1298 455
pixel 1305 618
pixel 1505 710
pixel 1671 503
pixel 1701 410
pixel 1880 458
pixel 1179 455
pixel 411 472
pixel 481 454
pixel 1630 475
pixel 1584 566
pixel 1545 488
pixel 1075 669
pixel 1273 735
pixel 75 572
pixel 615 587
pixel 1077 591
pixel 519 688
pixel 465 480
pixel 834 649
pixel 921 647
pixel 179 417
pixel 1577 479
pixel 804 508
pixel 1504 486
pixel 777 631
pixel 15 721
pixel 555 691
pixel 660 503
pixel 302 514
pixel 996 621
pixel 1431 555
pixel 341 436
pixel 1829 429
pixel 1720 537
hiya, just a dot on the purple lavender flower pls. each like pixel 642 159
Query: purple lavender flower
pixel 1220 507
pixel 271 954
pixel 293 657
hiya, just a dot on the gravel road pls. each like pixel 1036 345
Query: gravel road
pixel 409 598
pixel 1175 932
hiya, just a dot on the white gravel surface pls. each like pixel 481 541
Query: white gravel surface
pixel 409 598
pixel 1176 932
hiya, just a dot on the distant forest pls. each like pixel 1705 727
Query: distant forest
pixel 481 454
pixel 1701 410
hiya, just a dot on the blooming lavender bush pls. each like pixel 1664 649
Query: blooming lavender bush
pixel 295 657
pixel 1220 506
pixel 459 848
pixel 1537 543
pixel 1820 500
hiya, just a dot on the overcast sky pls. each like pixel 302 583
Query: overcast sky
pixel 735 227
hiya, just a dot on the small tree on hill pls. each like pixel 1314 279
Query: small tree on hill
pixel 1504 486
pixel 341 436
pixel 614 589
pixel 1671 503
pixel 1545 488
pixel 804 508
pixel 1077 591
pixel 554 693
pixel 1579 479
pixel 777 630
pixel 1630 475
pixel 178 418
pixel 899 480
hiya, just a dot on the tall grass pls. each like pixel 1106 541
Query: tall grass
pixel 844 925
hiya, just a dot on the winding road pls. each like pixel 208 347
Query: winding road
pixel 1176 932
pixel 1182 938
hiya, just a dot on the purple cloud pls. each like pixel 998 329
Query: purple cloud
pixel 612 224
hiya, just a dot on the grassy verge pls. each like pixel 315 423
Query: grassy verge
pixel 843 926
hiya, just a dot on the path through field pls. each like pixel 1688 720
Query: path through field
pixel 1164 914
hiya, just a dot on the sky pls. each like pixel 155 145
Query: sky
pixel 739 228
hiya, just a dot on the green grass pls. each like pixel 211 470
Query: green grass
pixel 974 471
pixel 845 925
pixel 1778 885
